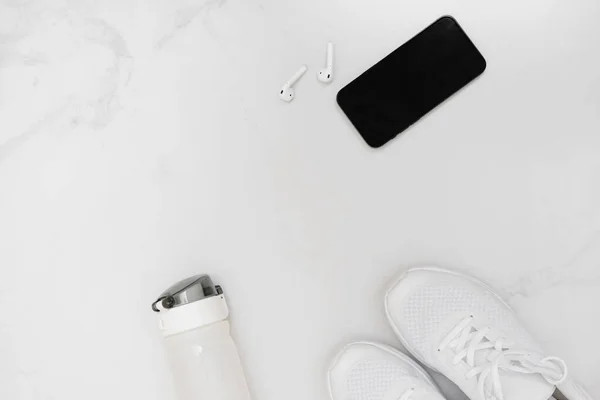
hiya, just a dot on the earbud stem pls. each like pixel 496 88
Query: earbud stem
pixel 329 55
pixel 296 76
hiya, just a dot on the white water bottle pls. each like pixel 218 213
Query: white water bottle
pixel 193 318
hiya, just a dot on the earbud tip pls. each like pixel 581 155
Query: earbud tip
pixel 287 97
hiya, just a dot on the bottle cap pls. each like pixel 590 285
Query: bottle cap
pixel 187 291
pixel 189 304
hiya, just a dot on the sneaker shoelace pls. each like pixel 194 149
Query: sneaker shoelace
pixel 466 341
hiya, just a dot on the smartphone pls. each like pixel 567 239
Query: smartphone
pixel 411 81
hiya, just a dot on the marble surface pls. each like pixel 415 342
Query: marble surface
pixel 143 141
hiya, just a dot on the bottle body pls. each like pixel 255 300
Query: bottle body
pixel 206 364
pixel 193 317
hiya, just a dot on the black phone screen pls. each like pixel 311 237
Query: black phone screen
pixel 411 81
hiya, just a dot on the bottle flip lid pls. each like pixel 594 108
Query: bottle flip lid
pixel 187 291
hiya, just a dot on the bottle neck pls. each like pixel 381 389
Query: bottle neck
pixel 193 315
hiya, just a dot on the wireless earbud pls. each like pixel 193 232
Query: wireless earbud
pixel 326 74
pixel 287 92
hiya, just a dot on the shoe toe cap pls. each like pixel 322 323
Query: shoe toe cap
pixel 367 371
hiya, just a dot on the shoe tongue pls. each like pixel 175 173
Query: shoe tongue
pixel 519 386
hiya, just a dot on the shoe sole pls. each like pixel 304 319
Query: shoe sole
pixel 401 276
pixel 387 349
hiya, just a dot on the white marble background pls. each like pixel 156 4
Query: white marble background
pixel 142 141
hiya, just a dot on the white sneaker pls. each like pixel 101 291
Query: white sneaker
pixel 369 371
pixel 458 326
